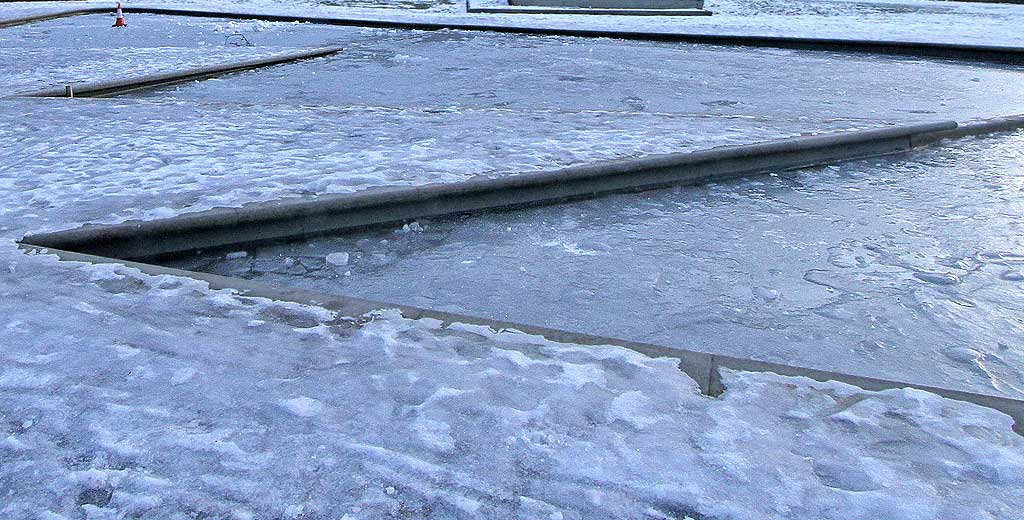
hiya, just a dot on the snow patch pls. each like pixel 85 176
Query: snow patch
pixel 303 406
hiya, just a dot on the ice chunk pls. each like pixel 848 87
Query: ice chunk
pixel 937 278
pixel 1012 276
pixel 303 406
pixel 338 258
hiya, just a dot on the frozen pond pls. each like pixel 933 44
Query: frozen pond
pixel 909 268
pixel 451 68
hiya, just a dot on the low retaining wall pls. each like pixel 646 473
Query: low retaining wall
pixel 121 86
pixel 972 128
pixel 702 367
pixel 295 218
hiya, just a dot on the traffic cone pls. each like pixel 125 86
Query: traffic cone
pixel 120 18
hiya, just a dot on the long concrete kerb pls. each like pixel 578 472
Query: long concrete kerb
pixel 974 128
pixel 121 86
pixel 704 368
pixel 260 222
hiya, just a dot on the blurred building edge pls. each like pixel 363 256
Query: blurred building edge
pixel 612 4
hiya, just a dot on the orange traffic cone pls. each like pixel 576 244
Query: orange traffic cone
pixel 120 18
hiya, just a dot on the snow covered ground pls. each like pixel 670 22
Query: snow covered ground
pixel 906 269
pixel 124 395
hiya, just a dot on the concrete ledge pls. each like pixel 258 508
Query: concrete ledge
pixel 702 367
pixel 972 128
pixel 589 11
pixel 983 53
pixel 121 86
pixel 304 217
pixel 11 22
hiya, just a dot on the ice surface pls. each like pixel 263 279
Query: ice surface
pixel 474 70
pixel 124 395
pixel 892 268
